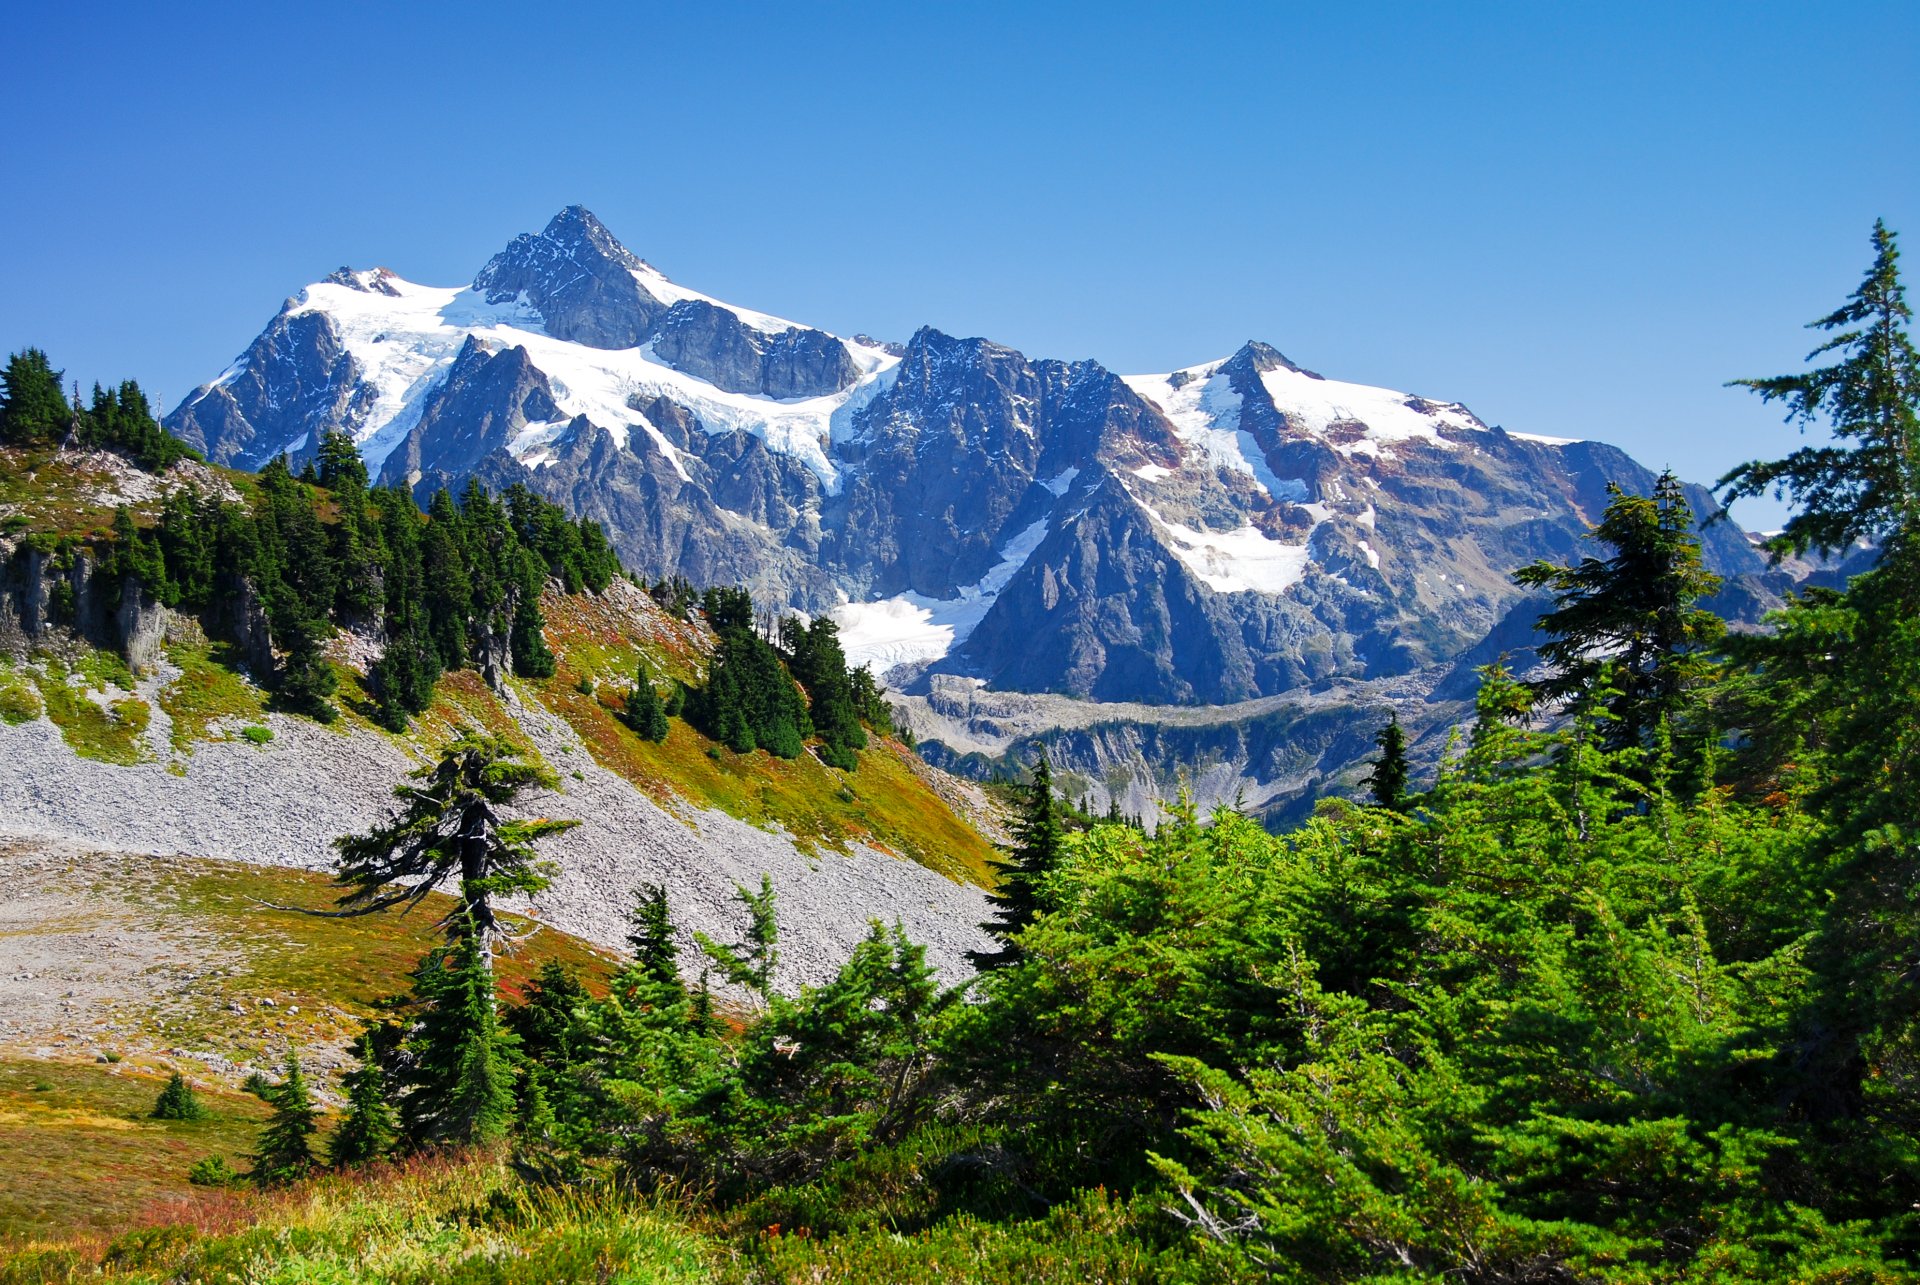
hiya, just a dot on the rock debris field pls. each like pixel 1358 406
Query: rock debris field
pixel 282 805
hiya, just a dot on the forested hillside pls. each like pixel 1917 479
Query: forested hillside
pixel 1627 993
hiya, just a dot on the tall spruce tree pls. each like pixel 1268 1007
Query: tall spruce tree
pixel 32 406
pixel 370 1127
pixel 643 711
pixel 285 1150
pixel 460 1070
pixel 1832 701
pixel 1018 898
pixel 1388 781
pixel 655 954
pixel 1632 614
pixel 450 826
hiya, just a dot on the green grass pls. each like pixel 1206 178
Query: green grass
pixel 208 696
pixel 332 971
pixel 83 1156
pixel 111 733
pixel 79 1156
pixel 19 702
pixel 883 803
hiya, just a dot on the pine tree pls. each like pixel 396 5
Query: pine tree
pixel 643 713
pixel 752 963
pixel 32 406
pixel 1632 614
pixel 1388 780
pixel 178 1101
pixel 1869 490
pixel 285 1151
pixel 460 1079
pixel 655 954
pixel 1019 897
pixel 450 826
pixel 370 1128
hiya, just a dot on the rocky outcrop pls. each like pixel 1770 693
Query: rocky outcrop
pixel 292 384
pixel 487 398
pixel 714 344
pixel 50 598
pixel 579 279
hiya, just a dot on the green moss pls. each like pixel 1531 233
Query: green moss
pixel 19 703
pixel 107 735
pixel 206 693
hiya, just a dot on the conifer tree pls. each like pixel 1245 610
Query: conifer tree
pixel 1866 486
pixel 32 406
pixel 1633 613
pixel 1018 898
pixel 752 963
pixel 178 1101
pixel 370 1128
pixel 643 712
pixel 460 1076
pixel 285 1151
pixel 655 954
pixel 449 826
pixel 1388 780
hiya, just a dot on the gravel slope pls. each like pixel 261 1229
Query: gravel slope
pixel 282 804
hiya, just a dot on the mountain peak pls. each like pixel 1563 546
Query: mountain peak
pixel 1264 357
pixel 583 282
pixel 576 227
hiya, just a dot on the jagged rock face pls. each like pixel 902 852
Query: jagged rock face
pixel 296 381
pixel 712 343
pixel 579 279
pixel 957 456
pixel 488 397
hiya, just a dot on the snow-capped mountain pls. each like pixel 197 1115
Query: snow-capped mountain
pixel 1221 532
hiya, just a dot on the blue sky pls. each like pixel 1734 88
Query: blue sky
pixel 1578 219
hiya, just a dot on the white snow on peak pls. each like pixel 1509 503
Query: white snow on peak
pixel 404 337
pixel 1319 406
pixel 1543 439
pixel 1244 560
pixel 1205 411
pixel 912 627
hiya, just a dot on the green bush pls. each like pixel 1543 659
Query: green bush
pixel 213 1171
pixel 177 1101
pixel 256 734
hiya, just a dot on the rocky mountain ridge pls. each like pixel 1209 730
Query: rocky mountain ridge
pixel 1226 532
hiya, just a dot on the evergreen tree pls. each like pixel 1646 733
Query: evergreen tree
pixel 1388 781
pixel 32 406
pixel 1867 486
pixel 752 963
pixel 1831 703
pixel 643 712
pixel 814 655
pixel 450 826
pixel 285 1151
pixel 178 1101
pixel 460 1076
pixel 1019 897
pixel 655 954
pixel 370 1128
pixel 1632 614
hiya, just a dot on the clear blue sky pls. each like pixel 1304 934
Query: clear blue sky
pixel 1578 219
